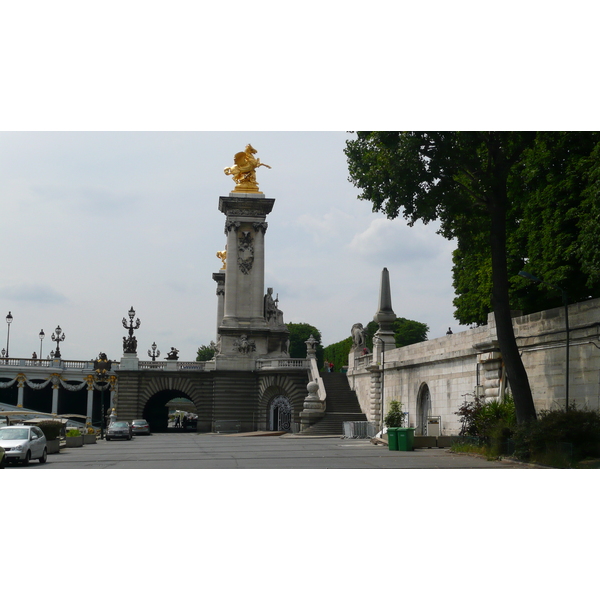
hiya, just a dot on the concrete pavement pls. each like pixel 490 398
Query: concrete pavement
pixel 213 451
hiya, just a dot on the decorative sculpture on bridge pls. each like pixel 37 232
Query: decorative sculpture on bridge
pixel 130 343
pixel 222 254
pixel 358 335
pixel 244 345
pixel 173 354
pixel 243 171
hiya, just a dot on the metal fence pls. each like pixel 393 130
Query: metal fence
pixel 359 429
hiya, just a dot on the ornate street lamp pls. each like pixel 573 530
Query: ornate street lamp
pixel 566 303
pixel 155 353
pixel 102 367
pixel 9 320
pixel 130 343
pixel 58 338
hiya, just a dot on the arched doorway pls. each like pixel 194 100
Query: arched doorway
pixel 423 409
pixel 156 411
pixel 280 414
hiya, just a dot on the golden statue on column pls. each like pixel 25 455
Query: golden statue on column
pixel 243 171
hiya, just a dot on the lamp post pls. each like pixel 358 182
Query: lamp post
pixel 130 342
pixel 9 320
pixel 566 303
pixel 42 336
pixel 101 368
pixel 58 338
pixel 155 353
pixel 378 341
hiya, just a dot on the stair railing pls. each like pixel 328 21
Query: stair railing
pixel 316 376
pixel 314 403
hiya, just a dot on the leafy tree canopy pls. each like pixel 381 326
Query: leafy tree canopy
pixel 299 333
pixel 205 352
pixel 552 222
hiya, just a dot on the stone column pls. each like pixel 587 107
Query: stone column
pixel 258 280
pixel 220 279
pixel 90 396
pixel 55 386
pixel 20 385
pixel 232 274
pixel 375 394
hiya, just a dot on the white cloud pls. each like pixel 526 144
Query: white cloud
pixel 395 241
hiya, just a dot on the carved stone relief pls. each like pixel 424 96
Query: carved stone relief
pixel 245 251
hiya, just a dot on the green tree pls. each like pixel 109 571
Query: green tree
pixel 466 180
pixel 338 353
pixel 407 332
pixel 205 352
pixel 552 221
pixel 299 333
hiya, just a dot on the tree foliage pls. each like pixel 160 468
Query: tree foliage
pixel 299 333
pixel 205 352
pixel 469 182
pixel 552 222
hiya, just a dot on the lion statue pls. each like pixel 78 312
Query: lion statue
pixel 358 335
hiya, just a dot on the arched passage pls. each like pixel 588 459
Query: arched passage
pixel 156 411
pixel 291 391
pixel 423 409
pixel 280 414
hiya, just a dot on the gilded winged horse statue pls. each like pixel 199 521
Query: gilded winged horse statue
pixel 243 171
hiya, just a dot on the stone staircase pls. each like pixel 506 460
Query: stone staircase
pixel 342 405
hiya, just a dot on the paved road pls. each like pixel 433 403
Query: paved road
pixel 211 451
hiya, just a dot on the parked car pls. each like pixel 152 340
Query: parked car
pixel 140 426
pixel 23 443
pixel 119 429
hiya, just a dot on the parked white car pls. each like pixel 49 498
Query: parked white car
pixel 23 443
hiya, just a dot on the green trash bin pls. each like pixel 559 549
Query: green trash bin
pixel 392 433
pixel 406 438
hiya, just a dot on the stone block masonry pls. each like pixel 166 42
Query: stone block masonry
pixel 435 377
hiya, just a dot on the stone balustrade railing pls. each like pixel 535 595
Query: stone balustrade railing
pixel 282 363
pixel 51 363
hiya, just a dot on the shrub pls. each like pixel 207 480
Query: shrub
pixel 496 419
pixel 51 429
pixel 73 432
pixel 489 420
pixel 395 416
pixel 573 435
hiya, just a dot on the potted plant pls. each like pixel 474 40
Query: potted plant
pixel 74 438
pixel 51 430
pixel 89 437
pixel 394 420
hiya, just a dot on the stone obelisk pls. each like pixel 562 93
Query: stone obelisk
pixel 385 315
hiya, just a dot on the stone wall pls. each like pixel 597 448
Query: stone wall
pixel 454 368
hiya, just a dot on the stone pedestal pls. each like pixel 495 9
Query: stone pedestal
pixel 244 331
pixel 313 407
pixel 129 362
pixel 245 228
